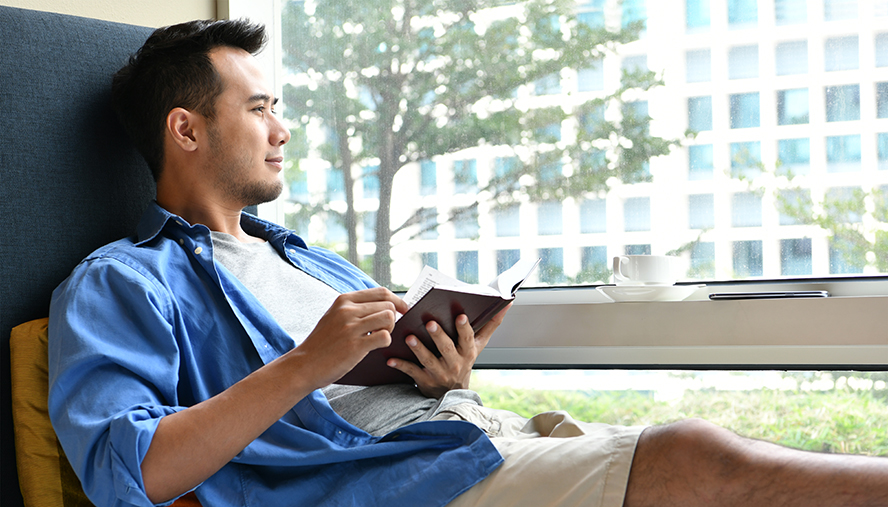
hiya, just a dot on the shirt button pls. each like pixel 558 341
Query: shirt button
pixel 198 250
pixel 293 251
pixel 181 241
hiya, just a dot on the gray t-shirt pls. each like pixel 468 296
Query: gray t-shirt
pixel 297 301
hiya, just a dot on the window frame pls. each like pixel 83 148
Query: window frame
pixel 578 327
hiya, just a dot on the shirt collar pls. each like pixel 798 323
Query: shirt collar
pixel 156 218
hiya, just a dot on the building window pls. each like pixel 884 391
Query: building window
pixel 794 206
pixel 743 62
pixel 791 58
pixel 429 259
pixel 790 12
pixel 428 178
pixel 795 257
pixel 746 159
pixel 506 258
pixel 700 163
pixel 841 53
pixel 747 258
pixel 837 10
pixel 592 13
pixel 637 214
pixel 638 249
pixel 335 232
pixel 634 10
pixel 744 110
pixel 792 106
pixel 503 170
pixel 467 266
pixel 591 78
pixel 594 263
pixel 881 44
pixel 369 221
pixel 335 184
pixel 700 113
pixel 882 143
pixel 746 210
pixel 843 103
pixel 842 258
pixel 843 153
pixel 465 224
pixel 428 223
pixel 882 99
pixel 465 176
pixel 845 204
pixel 702 261
pixel 549 220
pixel 551 265
pixel 698 66
pixel 742 13
pixel 507 221
pixel 701 211
pixel 696 14
pixel 793 156
pixel 549 85
pixel 593 216
pixel 299 187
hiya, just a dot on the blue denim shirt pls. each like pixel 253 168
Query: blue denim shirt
pixel 147 326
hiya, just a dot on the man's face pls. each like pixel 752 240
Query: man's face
pixel 245 158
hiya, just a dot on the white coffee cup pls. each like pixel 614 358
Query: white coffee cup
pixel 645 269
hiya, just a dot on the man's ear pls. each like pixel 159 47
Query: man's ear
pixel 182 126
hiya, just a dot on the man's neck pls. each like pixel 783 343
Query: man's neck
pixel 216 216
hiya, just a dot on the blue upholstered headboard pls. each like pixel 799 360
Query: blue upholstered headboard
pixel 70 180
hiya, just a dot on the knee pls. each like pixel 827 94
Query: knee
pixel 695 442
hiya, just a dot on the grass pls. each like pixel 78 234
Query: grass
pixel 840 420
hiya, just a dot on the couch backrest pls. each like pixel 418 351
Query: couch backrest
pixel 70 180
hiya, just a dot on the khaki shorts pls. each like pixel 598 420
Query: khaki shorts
pixel 551 460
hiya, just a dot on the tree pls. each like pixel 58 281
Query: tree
pixel 395 82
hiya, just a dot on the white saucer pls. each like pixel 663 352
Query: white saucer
pixel 626 293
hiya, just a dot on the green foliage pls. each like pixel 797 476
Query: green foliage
pixel 393 82
pixel 838 420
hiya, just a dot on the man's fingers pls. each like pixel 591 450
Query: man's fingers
pixel 376 294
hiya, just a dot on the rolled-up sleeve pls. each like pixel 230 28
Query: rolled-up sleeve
pixel 113 368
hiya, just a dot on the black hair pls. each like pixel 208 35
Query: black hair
pixel 173 69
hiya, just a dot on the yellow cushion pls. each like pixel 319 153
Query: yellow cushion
pixel 45 476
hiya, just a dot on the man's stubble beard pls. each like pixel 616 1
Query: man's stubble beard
pixel 231 176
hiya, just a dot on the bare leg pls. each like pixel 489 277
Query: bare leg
pixel 698 463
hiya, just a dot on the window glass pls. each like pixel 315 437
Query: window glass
pixel 506 258
pixel 791 58
pixel 518 123
pixel 552 265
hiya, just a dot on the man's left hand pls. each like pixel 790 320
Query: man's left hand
pixel 453 369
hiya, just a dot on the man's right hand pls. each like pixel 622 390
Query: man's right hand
pixel 355 324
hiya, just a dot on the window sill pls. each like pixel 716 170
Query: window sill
pixel 579 328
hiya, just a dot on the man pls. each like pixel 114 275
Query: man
pixel 194 357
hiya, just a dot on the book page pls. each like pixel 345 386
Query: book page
pixel 428 278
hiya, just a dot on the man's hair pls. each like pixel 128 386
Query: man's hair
pixel 173 69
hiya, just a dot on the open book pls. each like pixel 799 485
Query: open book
pixel 436 296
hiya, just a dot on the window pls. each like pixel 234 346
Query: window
pixel 746 210
pixel 843 103
pixel 882 50
pixel 701 211
pixel 507 221
pixel 465 176
pixel 744 110
pixel 335 185
pixel 841 53
pixel 837 10
pixel 795 257
pixel 790 12
pixel 795 206
pixel 594 263
pixel 634 11
pixel 793 156
pixel 747 258
pixel 549 220
pixel 506 258
pixel 548 85
pixel 791 58
pixel 592 13
pixel 746 159
pixel 429 259
pixel 635 63
pixel 428 223
pixel 742 13
pixel 700 113
pixel 369 219
pixel 843 153
pixel 467 266
pixel 591 78
pixel 792 106
pixel 697 14
pixel 743 62
pixel 465 224
pixel 698 66
pixel 882 150
pixel 637 214
pixel 551 265
pixel 370 182
pixel 882 100
pixel 700 164
pixel 593 216
pixel 702 261
pixel 640 249
pixel 428 178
